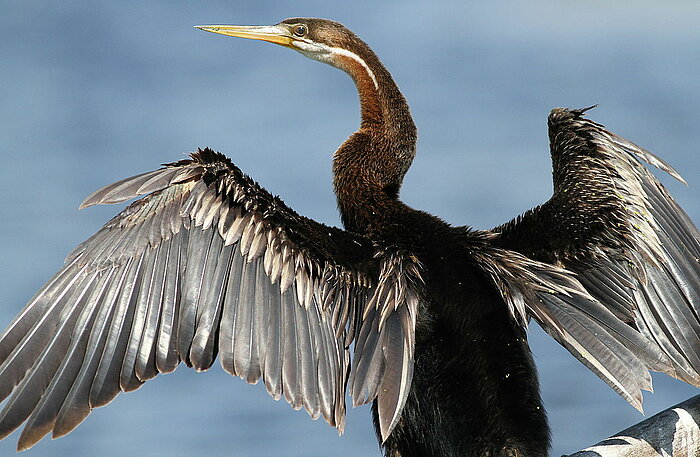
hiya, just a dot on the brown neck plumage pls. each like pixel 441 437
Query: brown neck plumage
pixel 369 167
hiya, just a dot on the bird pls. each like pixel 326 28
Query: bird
pixel 424 320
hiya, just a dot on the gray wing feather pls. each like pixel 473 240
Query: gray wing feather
pixel 628 244
pixel 145 365
pixel 272 373
pixel 106 385
pixel 398 370
pixel 261 310
pixel 128 380
pixel 383 363
pixel 228 317
pixel 166 351
pixel 194 275
pixel 202 265
pixel 34 328
pixel 29 391
pixel 307 366
pixel 290 359
pixel 76 406
pixel 245 348
pixel 203 348
pixel 594 346
pixel 665 289
pixel 43 417
pixel 209 282
pixel 554 297
pixel 368 362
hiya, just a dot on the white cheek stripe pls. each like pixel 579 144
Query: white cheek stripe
pixel 324 53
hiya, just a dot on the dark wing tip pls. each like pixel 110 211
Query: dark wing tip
pixel 557 115
pixel 578 112
pixel 209 156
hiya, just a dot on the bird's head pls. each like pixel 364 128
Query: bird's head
pixel 319 39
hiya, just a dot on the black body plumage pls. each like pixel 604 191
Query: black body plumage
pixel 207 264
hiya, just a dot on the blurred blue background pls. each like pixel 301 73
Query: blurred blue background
pixel 94 91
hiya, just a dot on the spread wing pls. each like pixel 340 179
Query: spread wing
pixel 207 263
pixel 631 247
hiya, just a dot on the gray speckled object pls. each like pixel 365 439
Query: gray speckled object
pixel 673 432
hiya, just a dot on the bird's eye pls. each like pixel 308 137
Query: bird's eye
pixel 300 30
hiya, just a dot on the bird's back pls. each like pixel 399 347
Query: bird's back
pixel 471 355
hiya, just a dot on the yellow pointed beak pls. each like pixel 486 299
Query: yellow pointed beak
pixel 272 33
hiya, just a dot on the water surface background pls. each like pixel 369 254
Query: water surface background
pixel 94 91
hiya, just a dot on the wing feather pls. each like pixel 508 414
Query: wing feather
pixel 166 351
pixel 76 406
pixel 106 385
pixel 41 328
pixel 630 246
pixel 290 359
pixel 228 318
pixel 218 258
pixel 128 380
pixel 206 264
pixel 209 264
pixel 383 364
pixel 43 417
pixel 272 373
pixel 245 350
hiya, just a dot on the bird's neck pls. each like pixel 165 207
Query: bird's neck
pixel 369 167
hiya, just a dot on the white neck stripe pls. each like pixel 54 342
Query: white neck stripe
pixel 324 53
pixel 356 58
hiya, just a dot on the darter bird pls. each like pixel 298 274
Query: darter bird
pixel 209 264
